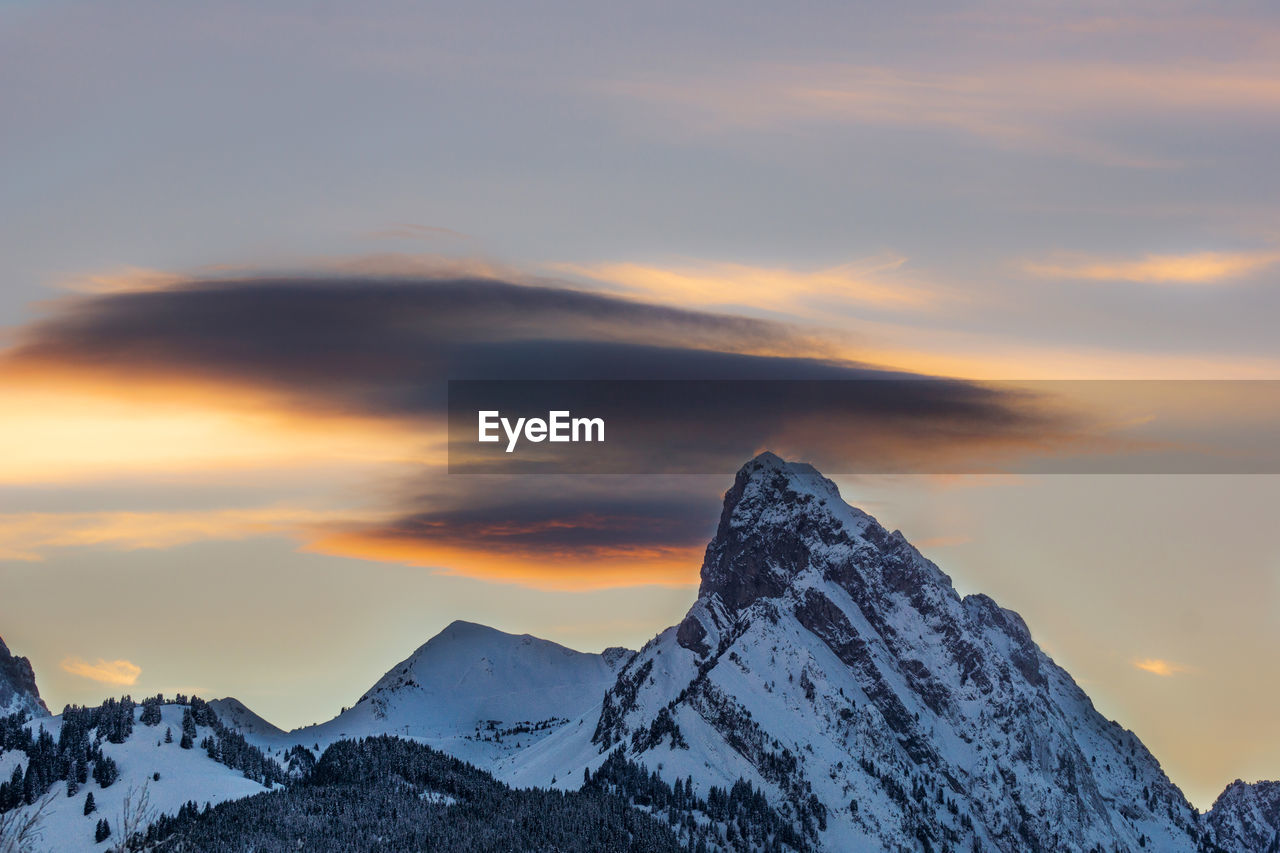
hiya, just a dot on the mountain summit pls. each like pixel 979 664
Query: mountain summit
pixel 829 663
pixel 473 691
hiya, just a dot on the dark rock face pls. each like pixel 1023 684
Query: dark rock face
pixel 747 561
pixel 692 635
pixel 18 691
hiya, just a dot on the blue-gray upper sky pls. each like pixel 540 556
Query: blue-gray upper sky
pixel 1023 170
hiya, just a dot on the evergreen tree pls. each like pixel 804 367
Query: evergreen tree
pixel 30 783
pixel 89 805
pixel 102 832
pixel 150 712
pixel 15 788
pixel 188 729
pixel 168 735
pixel 105 771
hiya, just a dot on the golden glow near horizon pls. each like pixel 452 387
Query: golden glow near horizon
pixel 67 427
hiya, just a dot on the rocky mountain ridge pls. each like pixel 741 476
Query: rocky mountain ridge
pixel 18 691
pixel 829 662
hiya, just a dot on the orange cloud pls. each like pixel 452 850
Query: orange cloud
pixel 577 569
pixel 488 555
pixel 126 280
pixel 873 281
pixel 120 672
pixel 966 355
pixel 29 536
pixel 1194 268
pixel 1163 668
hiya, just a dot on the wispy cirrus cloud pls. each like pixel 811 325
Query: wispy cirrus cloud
pixel 29 536
pixel 118 672
pixel 1057 108
pixel 122 280
pixel 1180 269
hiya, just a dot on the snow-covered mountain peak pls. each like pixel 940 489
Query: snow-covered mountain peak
pixel 829 662
pixel 784 527
pixel 239 717
pixel 768 476
pixel 476 692
pixel 460 629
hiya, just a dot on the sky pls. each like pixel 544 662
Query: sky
pixel 244 247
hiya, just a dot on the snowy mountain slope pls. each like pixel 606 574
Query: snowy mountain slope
pixel 185 774
pixel 1247 817
pixel 18 691
pixel 829 662
pixel 472 691
pixel 240 718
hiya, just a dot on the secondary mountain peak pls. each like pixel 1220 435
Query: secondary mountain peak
pixel 239 717
pixel 1247 817
pixel 476 692
pixel 464 625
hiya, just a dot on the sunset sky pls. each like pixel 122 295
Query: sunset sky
pixel 246 245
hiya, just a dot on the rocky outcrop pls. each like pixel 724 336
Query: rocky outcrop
pixel 18 691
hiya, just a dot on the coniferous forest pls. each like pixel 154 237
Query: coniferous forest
pixel 76 755
pixel 387 794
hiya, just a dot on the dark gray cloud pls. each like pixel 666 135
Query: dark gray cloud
pixel 562 514
pixel 387 348
pixel 385 345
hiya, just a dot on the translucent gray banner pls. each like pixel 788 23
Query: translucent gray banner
pixel 880 426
